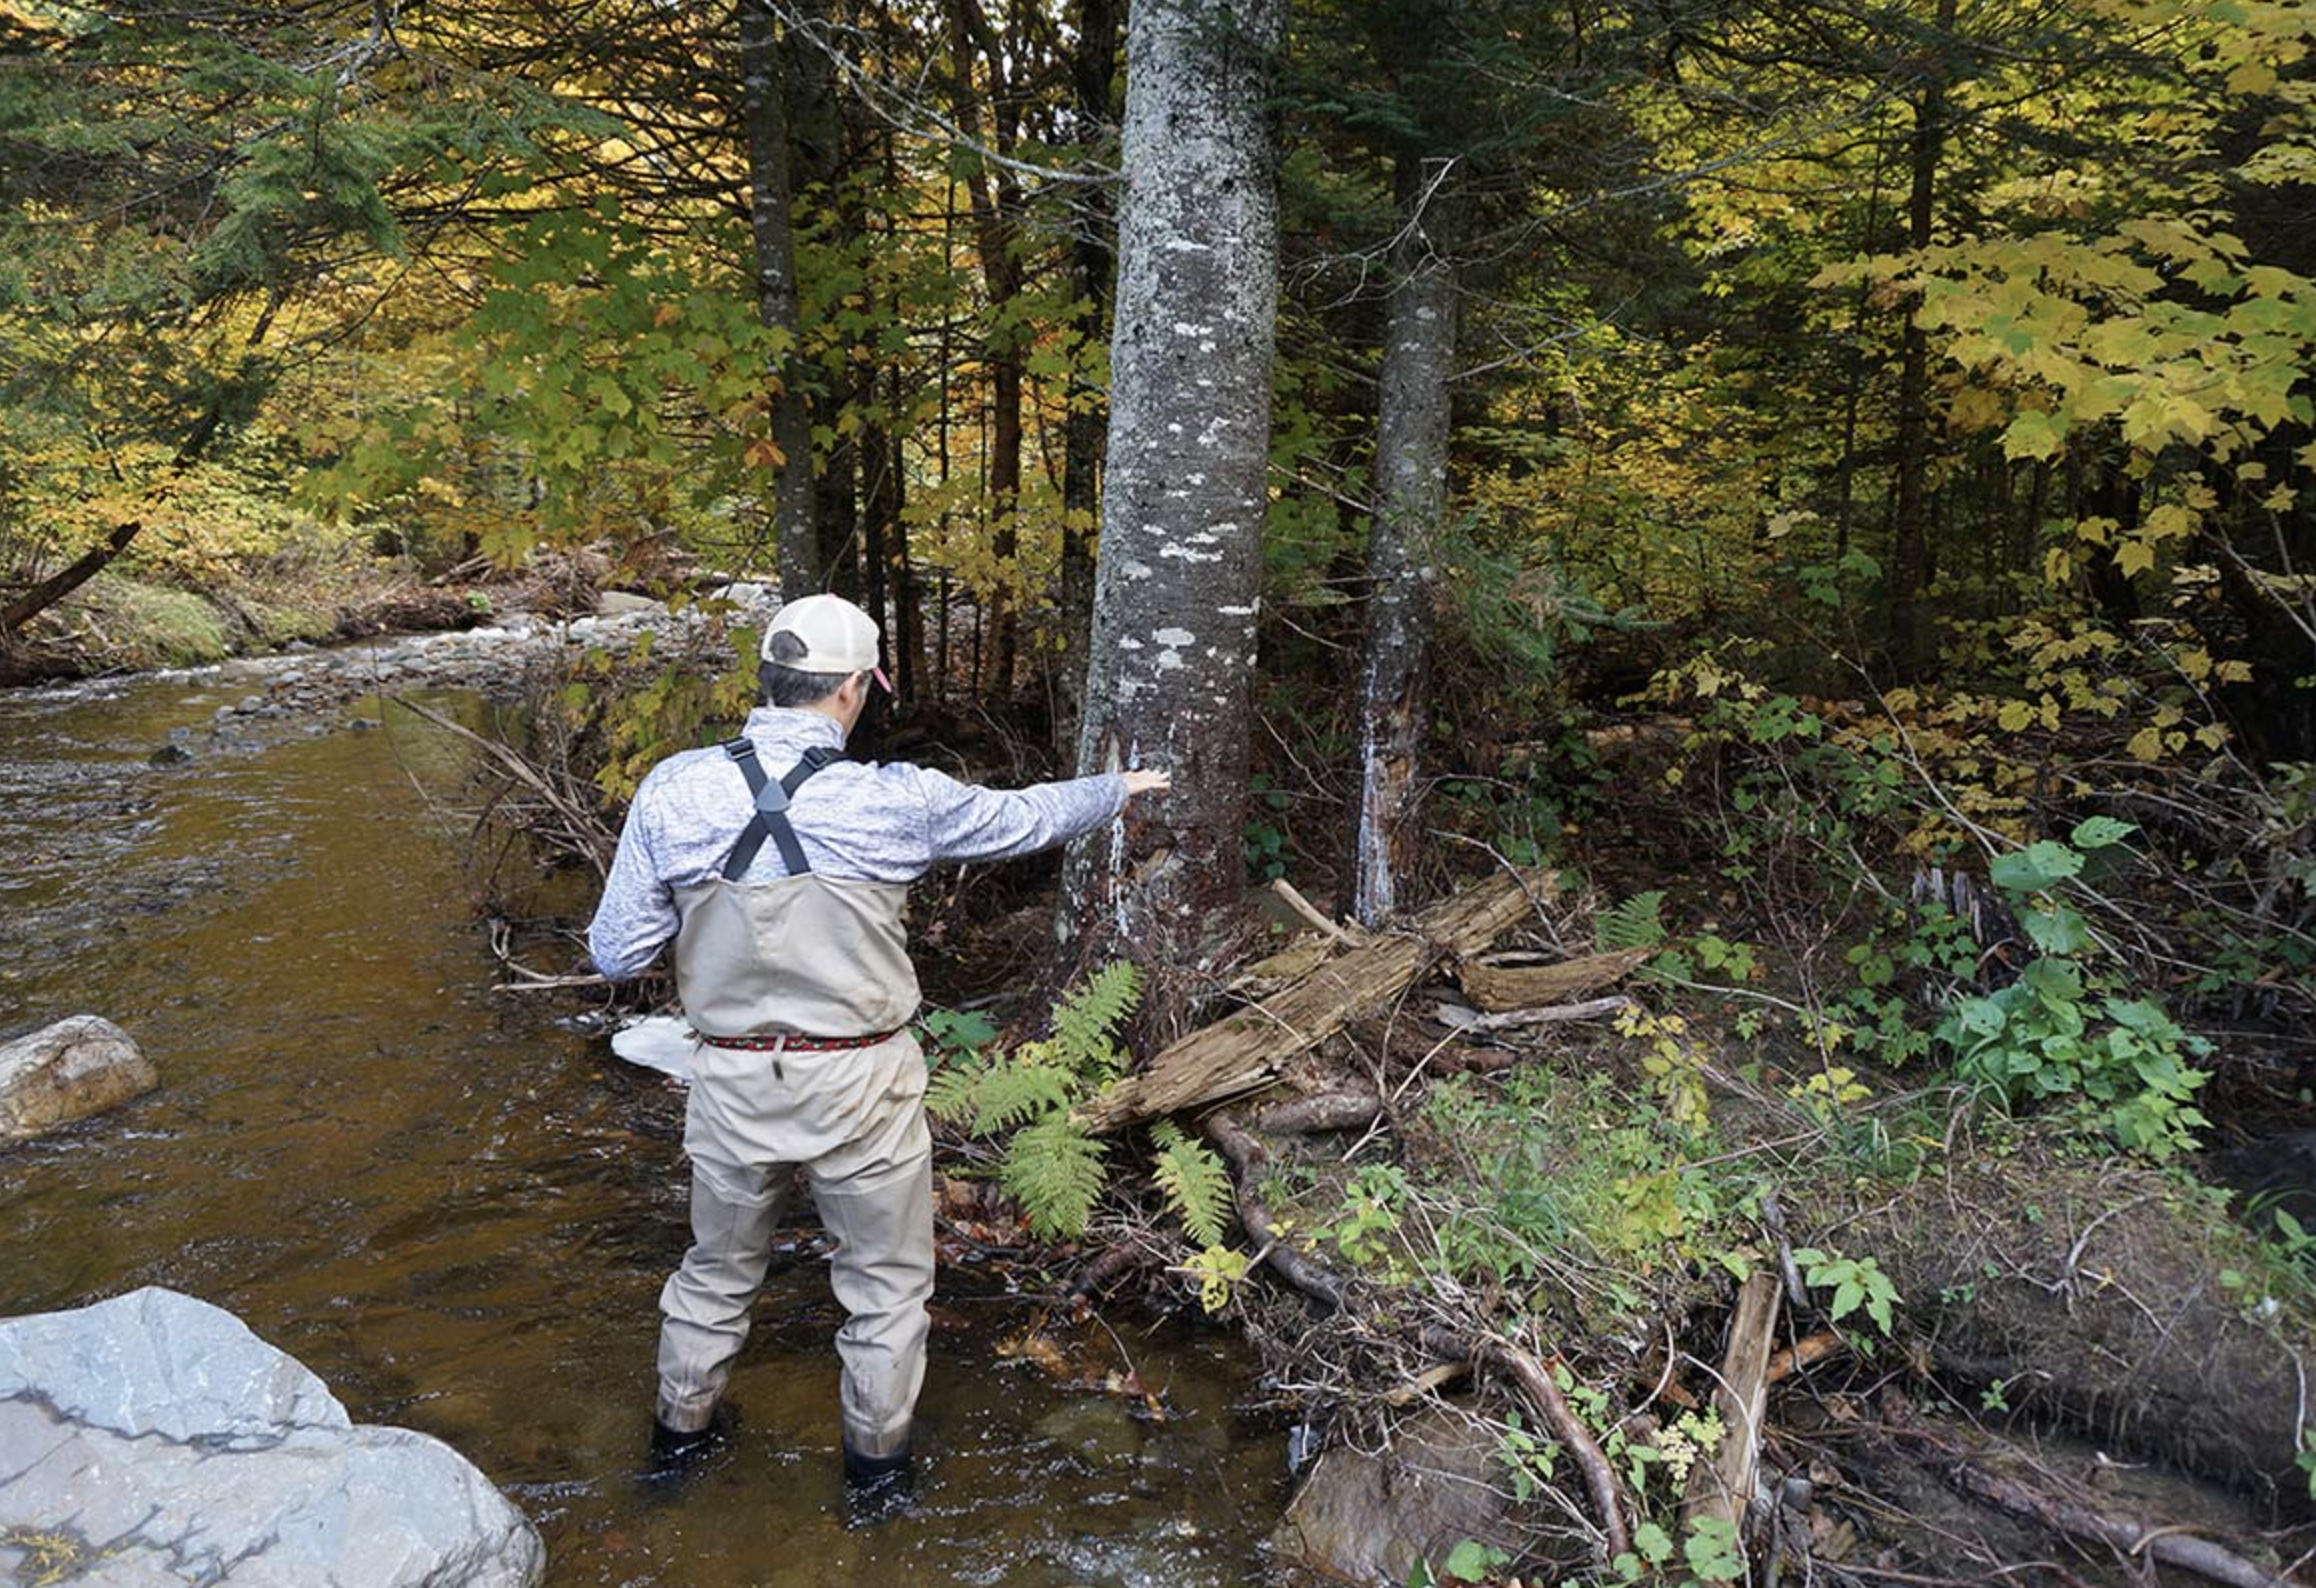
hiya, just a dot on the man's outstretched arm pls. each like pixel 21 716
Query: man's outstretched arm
pixel 963 822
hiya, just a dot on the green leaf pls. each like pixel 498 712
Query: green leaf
pixel 2035 867
pixel 2058 931
pixel 2098 832
pixel 1470 1561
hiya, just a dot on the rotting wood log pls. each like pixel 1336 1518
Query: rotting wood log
pixel 1245 1049
pixel 1499 983
pixel 1723 1487
pixel 1248 1156
pixel 2168 1545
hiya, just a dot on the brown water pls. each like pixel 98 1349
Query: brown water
pixel 459 1212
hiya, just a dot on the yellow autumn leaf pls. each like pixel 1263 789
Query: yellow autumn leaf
pixel 2212 735
pixel 2015 714
pixel 2146 745
pixel 2252 77
pixel 2195 662
pixel 2133 556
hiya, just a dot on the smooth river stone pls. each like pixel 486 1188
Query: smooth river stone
pixel 154 1440
pixel 68 1071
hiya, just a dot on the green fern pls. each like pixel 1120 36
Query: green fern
pixel 1632 924
pixel 949 1094
pixel 1086 1022
pixel 1195 1182
pixel 1052 1166
pixel 1055 1171
pixel 1016 1093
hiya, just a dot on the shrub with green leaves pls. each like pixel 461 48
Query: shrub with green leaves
pixel 2064 1031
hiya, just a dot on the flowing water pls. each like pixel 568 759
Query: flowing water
pixel 459 1212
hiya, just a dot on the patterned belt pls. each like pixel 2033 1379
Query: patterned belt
pixel 790 1043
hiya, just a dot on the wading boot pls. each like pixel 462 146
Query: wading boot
pixel 877 1487
pixel 679 1453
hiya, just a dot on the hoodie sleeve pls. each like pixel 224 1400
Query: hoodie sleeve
pixel 963 822
pixel 638 912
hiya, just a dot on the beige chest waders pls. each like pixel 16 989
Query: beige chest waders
pixel 816 960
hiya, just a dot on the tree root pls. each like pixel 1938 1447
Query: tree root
pixel 1537 1383
pixel 1248 1156
pixel 1114 1264
pixel 2133 1538
pixel 1320 1112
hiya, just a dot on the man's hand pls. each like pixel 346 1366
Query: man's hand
pixel 1146 780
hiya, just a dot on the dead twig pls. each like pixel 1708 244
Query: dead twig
pixel 1517 1019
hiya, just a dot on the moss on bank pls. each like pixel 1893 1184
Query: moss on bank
pixel 134 622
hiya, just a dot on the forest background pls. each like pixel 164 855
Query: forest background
pixel 1837 478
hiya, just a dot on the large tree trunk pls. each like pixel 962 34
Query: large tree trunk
pixel 1411 441
pixel 1091 255
pixel 1910 648
pixel 1177 589
pixel 765 112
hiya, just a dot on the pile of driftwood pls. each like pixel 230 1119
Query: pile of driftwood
pixel 1322 986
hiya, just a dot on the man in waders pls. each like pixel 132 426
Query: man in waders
pixel 780 869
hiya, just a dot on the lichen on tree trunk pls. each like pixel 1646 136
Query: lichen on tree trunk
pixel 1411 440
pixel 1178 584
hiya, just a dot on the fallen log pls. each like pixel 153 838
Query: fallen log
pixel 1244 1050
pixel 1723 1487
pixel 1500 983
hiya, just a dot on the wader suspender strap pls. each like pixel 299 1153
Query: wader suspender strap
pixel 771 819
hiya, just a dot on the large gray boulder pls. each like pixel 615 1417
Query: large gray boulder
pixel 1364 1517
pixel 68 1071
pixel 154 1440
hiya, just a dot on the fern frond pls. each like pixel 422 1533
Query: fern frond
pixel 1632 924
pixel 1086 1020
pixel 949 1094
pixel 1019 1090
pixel 1195 1181
pixel 1055 1171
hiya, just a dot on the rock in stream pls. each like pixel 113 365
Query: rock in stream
pixel 154 1440
pixel 68 1071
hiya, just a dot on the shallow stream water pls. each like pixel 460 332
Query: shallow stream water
pixel 459 1212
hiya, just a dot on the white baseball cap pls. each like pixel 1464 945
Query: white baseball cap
pixel 838 637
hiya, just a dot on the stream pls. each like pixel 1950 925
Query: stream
pixel 459 1212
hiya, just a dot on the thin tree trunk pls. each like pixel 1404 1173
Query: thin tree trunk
pixel 908 613
pixel 1910 547
pixel 765 113
pixel 1411 441
pixel 1178 585
pixel 1092 254
pixel 996 206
